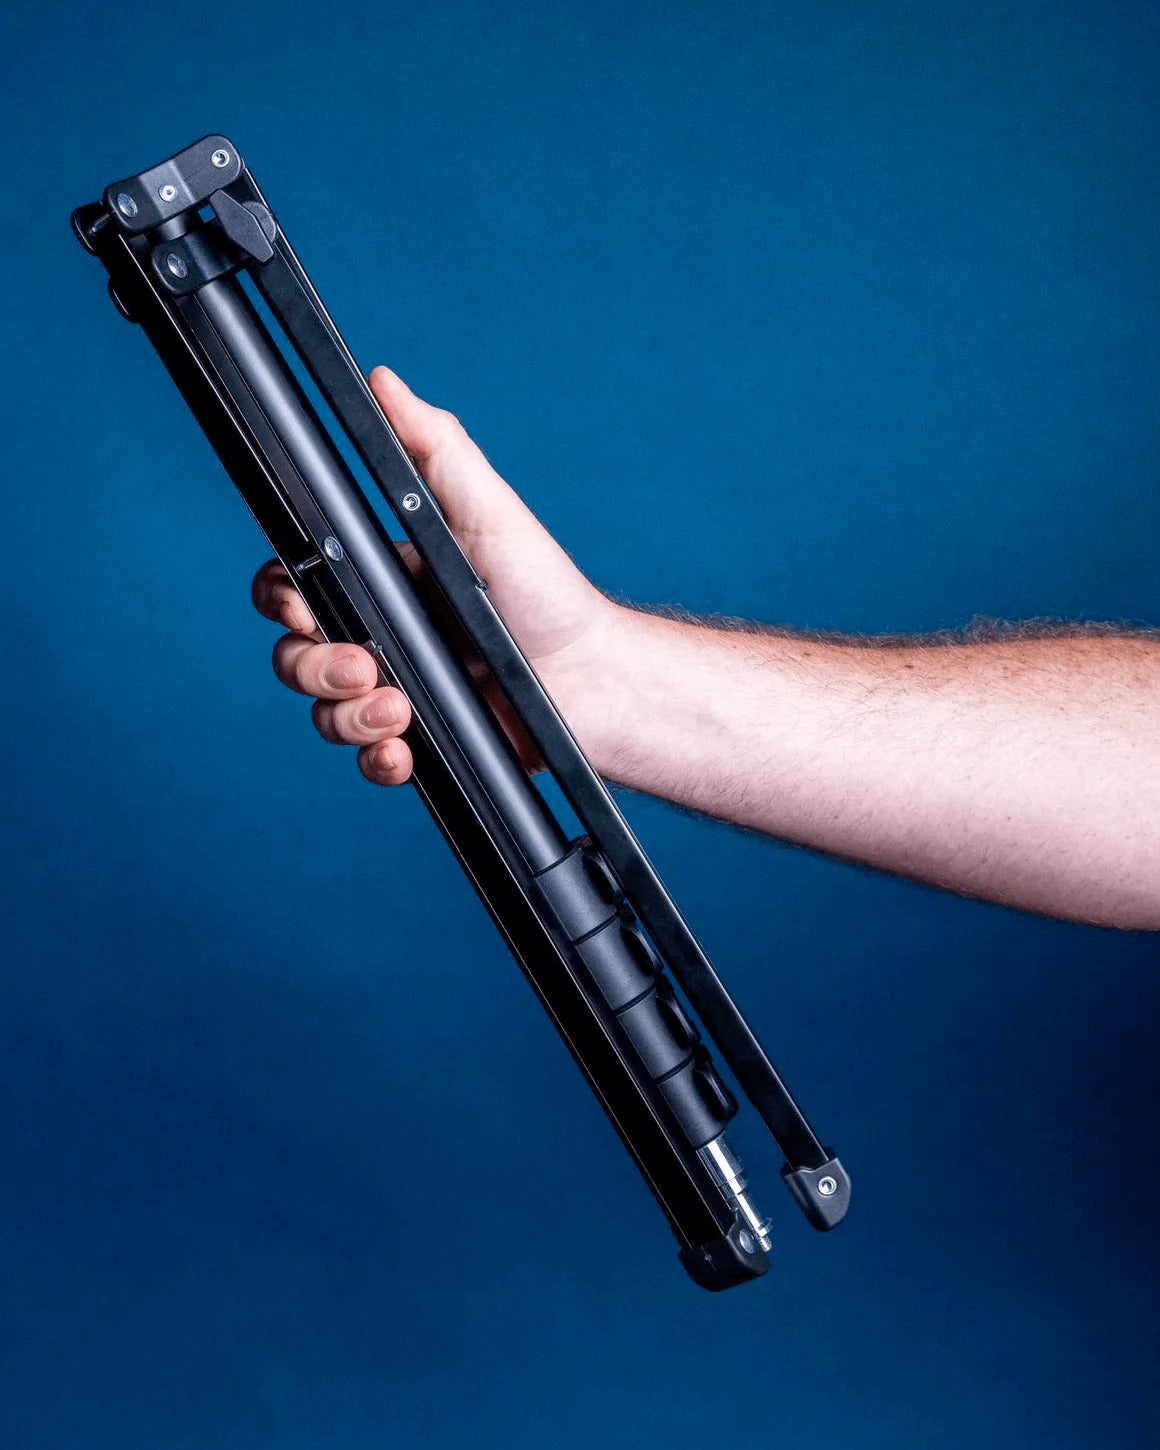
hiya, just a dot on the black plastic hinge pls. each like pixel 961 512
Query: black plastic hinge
pixel 142 202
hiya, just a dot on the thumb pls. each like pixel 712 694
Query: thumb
pixel 546 601
pixel 472 495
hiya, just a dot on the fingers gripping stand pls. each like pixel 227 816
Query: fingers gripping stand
pixel 589 922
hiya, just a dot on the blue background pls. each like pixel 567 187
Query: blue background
pixel 839 316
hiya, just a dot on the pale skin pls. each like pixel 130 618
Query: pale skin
pixel 1023 769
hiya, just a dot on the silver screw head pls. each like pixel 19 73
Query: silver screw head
pixel 177 265
pixel 126 205
pixel 220 159
pixel 747 1241
pixel 411 502
pixel 827 1187
pixel 332 548
pixel 167 192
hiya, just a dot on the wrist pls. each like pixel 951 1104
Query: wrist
pixel 590 680
pixel 615 710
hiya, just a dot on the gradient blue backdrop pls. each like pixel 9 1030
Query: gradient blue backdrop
pixel 842 315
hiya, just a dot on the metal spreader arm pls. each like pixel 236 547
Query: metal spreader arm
pixel 589 921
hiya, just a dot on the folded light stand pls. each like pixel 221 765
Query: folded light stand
pixel 589 922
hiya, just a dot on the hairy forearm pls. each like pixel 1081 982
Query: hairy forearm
pixel 1025 769
pixel 1022 769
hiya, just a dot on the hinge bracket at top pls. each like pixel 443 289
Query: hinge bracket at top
pixel 242 236
pixel 186 180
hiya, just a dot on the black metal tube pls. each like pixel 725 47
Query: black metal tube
pixel 305 440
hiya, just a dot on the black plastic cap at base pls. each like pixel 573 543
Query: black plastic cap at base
pixel 725 1262
pixel 822 1193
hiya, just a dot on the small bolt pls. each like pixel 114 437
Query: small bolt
pixel 126 205
pixel 220 158
pixel 167 193
pixel 332 548
pixel 411 502
pixel 177 265
pixel 746 1240
pixel 827 1186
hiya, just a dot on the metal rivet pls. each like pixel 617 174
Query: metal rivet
pixel 167 193
pixel 126 205
pixel 332 548
pixel 746 1240
pixel 220 158
pixel 177 265
pixel 411 502
pixel 827 1186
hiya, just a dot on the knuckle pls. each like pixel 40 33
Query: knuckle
pixel 348 725
pixel 265 579
pixel 293 663
pixel 286 602
pixel 280 657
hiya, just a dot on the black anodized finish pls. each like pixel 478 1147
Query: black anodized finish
pixel 266 479
pixel 287 289
pixel 293 477
pixel 289 415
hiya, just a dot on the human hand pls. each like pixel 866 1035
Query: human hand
pixel 556 616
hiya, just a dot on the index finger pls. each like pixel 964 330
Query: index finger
pixel 276 597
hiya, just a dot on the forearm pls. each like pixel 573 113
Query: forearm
pixel 1024 770
pixel 1021 770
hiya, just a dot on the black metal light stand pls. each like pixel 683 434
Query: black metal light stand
pixel 588 921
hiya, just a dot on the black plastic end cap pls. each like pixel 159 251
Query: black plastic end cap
pixel 726 1261
pixel 823 1194
pixel 87 222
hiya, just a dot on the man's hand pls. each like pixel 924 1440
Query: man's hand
pixel 1024 769
pixel 557 617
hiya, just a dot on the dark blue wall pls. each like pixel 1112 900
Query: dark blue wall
pixel 836 315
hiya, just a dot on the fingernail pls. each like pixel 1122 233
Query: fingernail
pixel 343 674
pixel 385 761
pixel 383 710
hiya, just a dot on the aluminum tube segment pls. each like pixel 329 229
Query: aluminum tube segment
pixel 246 443
pixel 286 484
pixel 375 559
pixel 288 290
